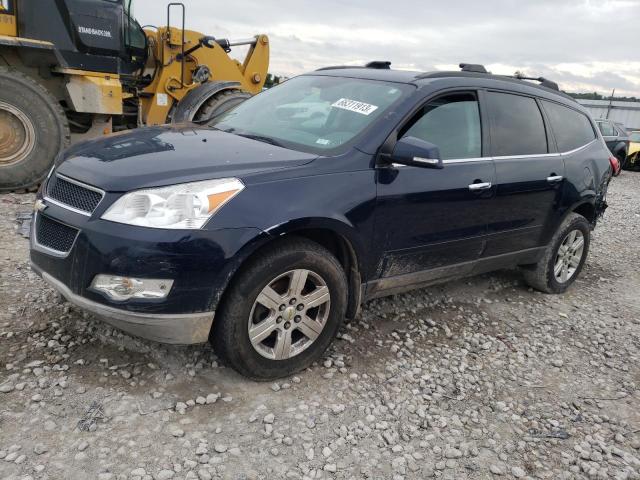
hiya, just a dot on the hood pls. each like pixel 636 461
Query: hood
pixel 157 156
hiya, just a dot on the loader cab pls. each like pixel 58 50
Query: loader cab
pixel 93 35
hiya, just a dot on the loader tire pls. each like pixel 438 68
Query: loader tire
pixel 33 130
pixel 218 104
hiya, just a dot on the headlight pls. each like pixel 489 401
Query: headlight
pixel 186 205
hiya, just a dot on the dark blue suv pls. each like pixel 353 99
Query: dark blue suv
pixel 262 231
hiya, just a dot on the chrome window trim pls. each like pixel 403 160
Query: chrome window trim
pixel 466 160
pixel 56 253
pixel 575 150
pixel 508 157
pixel 534 155
pixel 80 184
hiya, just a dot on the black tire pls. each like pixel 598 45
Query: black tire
pixel 218 104
pixel 230 335
pixel 541 275
pixel 633 162
pixel 624 163
pixel 43 117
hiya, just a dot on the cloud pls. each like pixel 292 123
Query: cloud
pixel 587 45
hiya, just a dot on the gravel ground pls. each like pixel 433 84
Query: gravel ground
pixel 479 378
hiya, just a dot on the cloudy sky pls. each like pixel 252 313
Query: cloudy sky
pixel 584 45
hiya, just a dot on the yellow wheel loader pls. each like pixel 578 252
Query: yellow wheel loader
pixel 76 69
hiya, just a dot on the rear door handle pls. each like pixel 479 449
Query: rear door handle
pixel 474 187
pixel 555 178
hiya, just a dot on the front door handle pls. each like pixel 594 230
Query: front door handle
pixel 474 187
pixel 554 178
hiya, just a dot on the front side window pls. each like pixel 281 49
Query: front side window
pixel 316 114
pixel 517 127
pixel 451 122
pixel 571 128
pixel 635 137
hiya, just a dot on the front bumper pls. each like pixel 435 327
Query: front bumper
pixel 180 329
pixel 200 262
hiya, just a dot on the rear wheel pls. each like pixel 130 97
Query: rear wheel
pixel 282 311
pixel 220 103
pixel 564 257
pixel 33 130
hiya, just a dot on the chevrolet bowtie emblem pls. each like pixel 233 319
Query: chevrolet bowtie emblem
pixel 39 205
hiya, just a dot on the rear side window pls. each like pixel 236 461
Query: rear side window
pixel 606 129
pixel 517 127
pixel 451 122
pixel 571 128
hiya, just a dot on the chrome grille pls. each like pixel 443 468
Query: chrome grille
pixel 54 235
pixel 73 194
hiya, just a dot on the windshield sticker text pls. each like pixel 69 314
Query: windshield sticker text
pixel 355 106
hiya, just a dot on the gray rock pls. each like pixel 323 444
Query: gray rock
pixel 518 472
pixel 269 418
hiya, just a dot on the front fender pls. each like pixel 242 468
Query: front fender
pixel 341 227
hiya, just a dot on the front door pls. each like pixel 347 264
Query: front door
pixel 529 174
pixel 429 219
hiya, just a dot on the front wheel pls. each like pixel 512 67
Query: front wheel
pixel 282 311
pixel 564 257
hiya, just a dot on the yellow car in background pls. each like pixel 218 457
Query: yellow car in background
pixel 633 157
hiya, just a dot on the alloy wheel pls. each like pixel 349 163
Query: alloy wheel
pixel 289 314
pixel 569 256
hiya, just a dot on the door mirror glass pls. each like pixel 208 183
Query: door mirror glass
pixel 416 153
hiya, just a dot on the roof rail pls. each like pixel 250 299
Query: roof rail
pixel 543 81
pixel 473 67
pixel 377 64
pixel 380 64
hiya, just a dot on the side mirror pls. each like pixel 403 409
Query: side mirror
pixel 416 153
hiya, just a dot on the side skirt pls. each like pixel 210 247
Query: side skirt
pixel 402 283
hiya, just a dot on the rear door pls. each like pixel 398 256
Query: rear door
pixel 529 173
pixel 430 219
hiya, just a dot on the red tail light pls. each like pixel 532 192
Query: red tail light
pixel 615 164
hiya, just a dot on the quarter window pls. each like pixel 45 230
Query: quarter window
pixel 571 128
pixel 517 127
pixel 451 122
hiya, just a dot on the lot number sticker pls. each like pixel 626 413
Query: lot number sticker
pixel 355 106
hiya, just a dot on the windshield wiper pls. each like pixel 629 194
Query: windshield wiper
pixel 260 138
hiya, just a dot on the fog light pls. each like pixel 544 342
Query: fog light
pixel 125 288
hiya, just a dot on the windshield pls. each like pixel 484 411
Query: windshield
pixel 635 137
pixel 134 35
pixel 314 114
